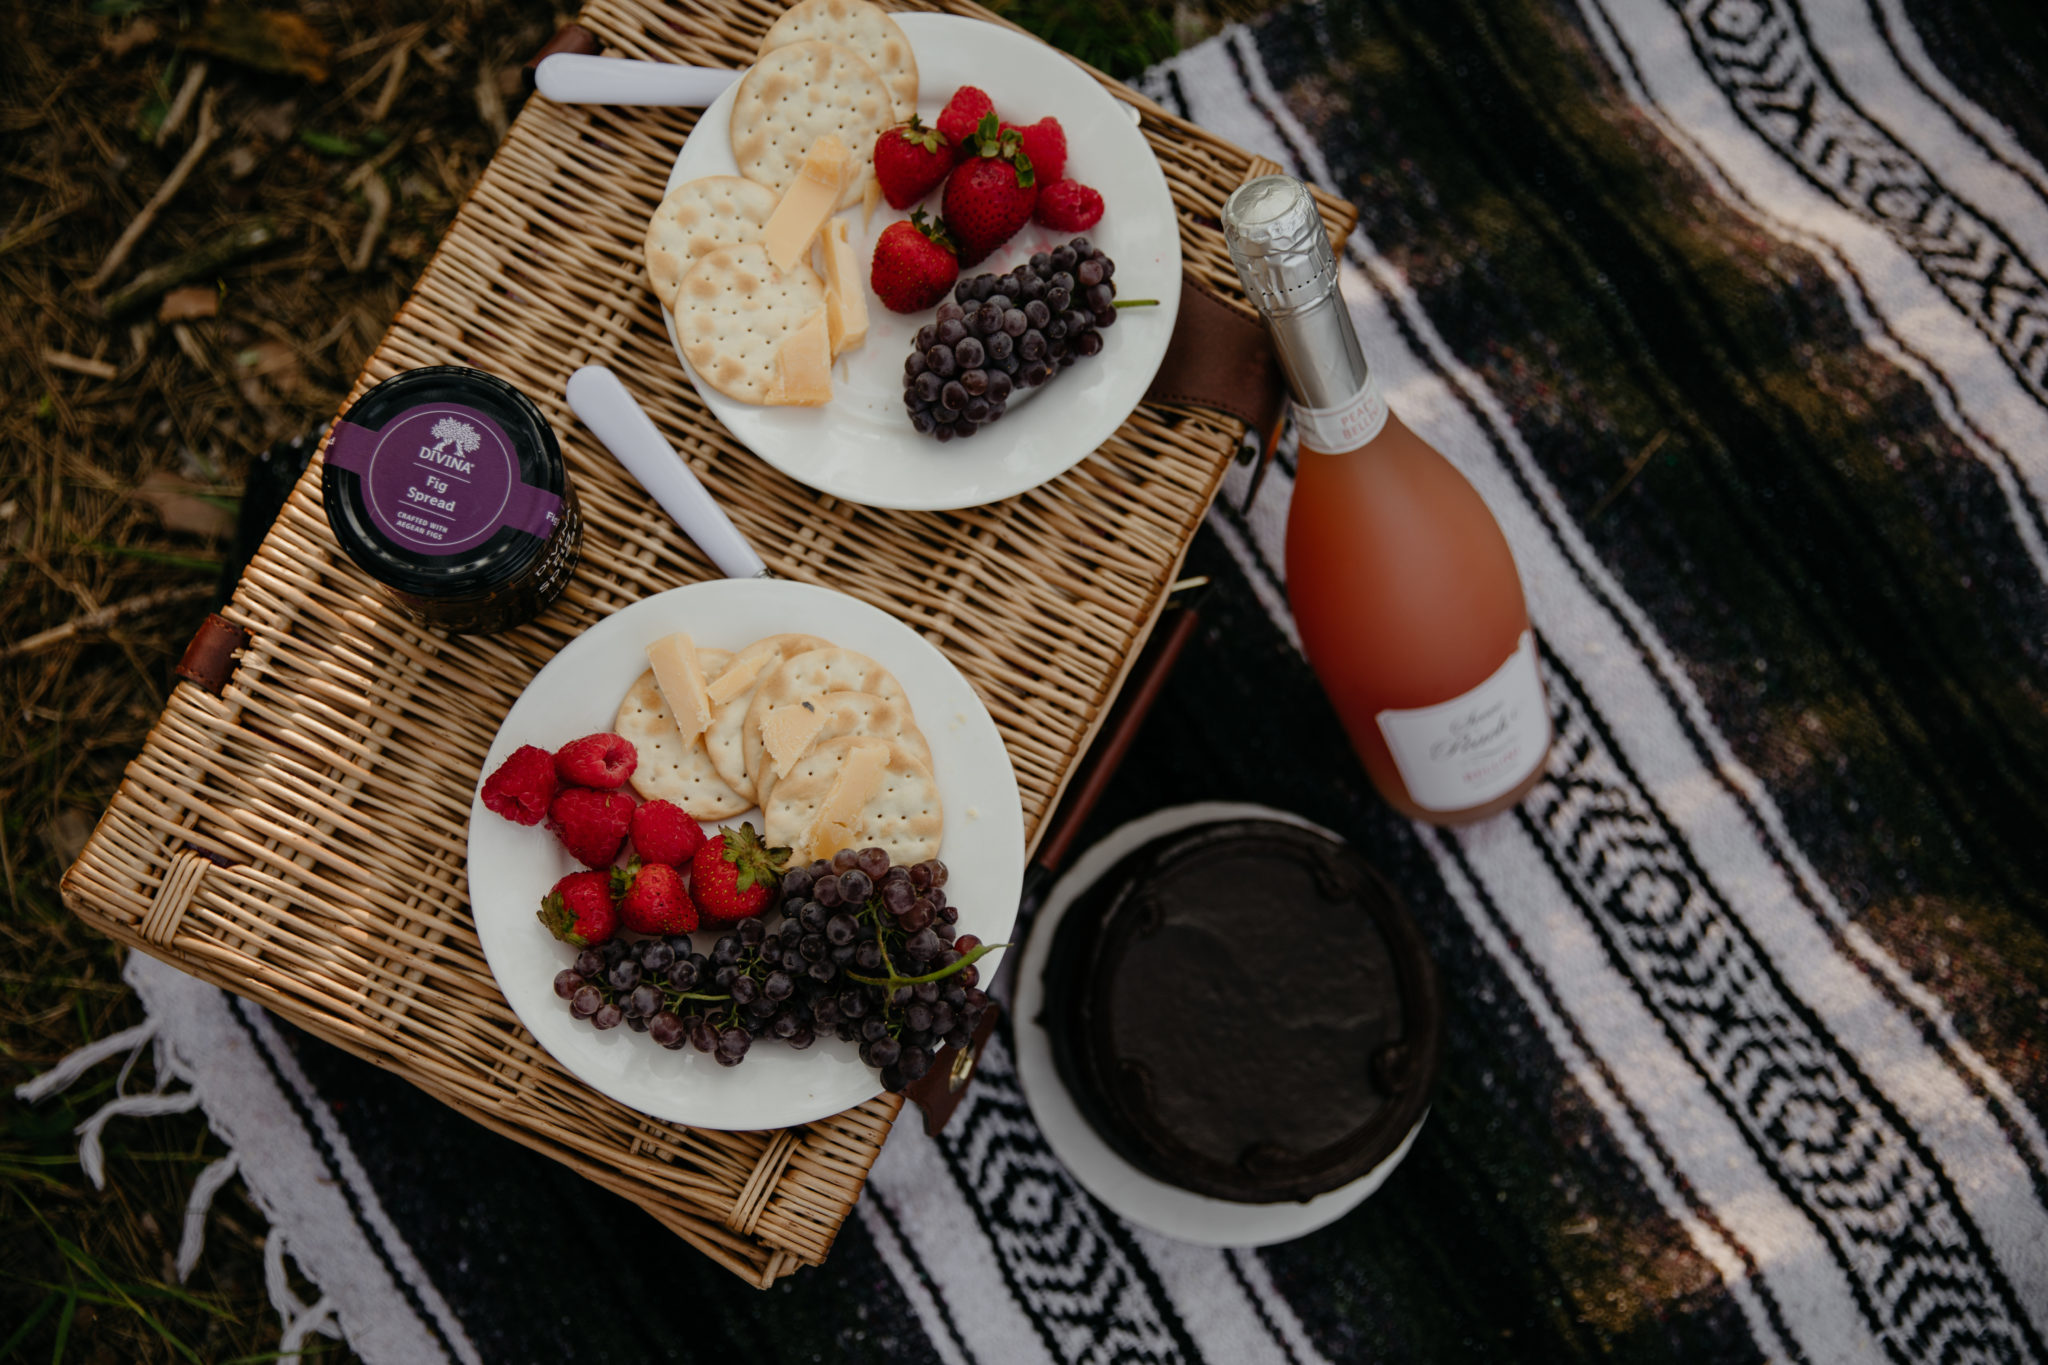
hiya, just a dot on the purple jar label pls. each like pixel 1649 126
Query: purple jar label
pixel 442 478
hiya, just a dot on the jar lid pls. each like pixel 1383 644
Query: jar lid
pixel 444 482
pixel 1244 1009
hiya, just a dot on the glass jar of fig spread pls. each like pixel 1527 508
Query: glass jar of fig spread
pixel 446 485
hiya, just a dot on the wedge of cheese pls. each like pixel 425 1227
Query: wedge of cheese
pixel 846 302
pixel 681 680
pixel 838 813
pixel 803 366
pixel 871 199
pixel 787 732
pixel 827 170
pixel 739 677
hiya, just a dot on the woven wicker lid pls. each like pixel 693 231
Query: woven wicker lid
pixel 1244 1009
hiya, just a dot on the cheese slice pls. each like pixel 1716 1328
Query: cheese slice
pixel 806 205
pixel 737 678
pixel 803 366
pixel 681 680
pixel 871 198
pixel 859 775
pixel 846 302
pixel 787 732
pixel 825 840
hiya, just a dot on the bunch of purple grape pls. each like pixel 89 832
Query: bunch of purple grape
pixel 648 985
pixel 1001 333
pixel 862 949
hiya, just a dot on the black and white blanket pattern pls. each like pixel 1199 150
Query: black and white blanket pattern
pixel 1675 1033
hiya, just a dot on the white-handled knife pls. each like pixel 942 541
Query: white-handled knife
pixel 601 401
pixel 576 78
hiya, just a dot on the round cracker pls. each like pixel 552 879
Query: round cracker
pixel 697 218
pixel 861 28
pixel 672 768
pixel 846 713
pixel 795 95
pixel 722 737
pixel 816 673
pixel 903 817
pixel 734 310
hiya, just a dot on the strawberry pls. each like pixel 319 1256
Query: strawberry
pixel 914 265
pixel 522 786
pixel 1068 206
pixel 579 911
pixel 733 877
pixel 652 899
pixel 910 161
pixel 592 825
pixel 663 832
pixel 962 115
pixel 602 760
pixel 1045 142
pixel 990 194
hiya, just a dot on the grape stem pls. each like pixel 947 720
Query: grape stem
pixel 1135 303
pixel 892 981
pixel 695 995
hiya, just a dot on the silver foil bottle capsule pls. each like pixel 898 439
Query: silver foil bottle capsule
pixel 1283 256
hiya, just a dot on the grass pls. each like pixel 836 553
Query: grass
pixel 90 409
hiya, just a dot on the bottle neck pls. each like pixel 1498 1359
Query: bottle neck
pixel 1319 351
pixel 1337 403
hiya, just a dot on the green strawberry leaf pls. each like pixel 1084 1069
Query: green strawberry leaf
pixel 935 232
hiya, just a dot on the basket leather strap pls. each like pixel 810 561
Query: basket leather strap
pixel 572 38
pixel 1219 358
pixel 210 658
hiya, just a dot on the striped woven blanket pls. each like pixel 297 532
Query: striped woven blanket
pixel 1734 312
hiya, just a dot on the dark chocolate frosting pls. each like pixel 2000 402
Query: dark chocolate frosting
pixel 1245 1010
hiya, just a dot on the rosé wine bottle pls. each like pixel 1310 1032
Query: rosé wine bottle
pixel 1400 580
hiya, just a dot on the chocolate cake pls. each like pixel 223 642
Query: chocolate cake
pixel 1245 1010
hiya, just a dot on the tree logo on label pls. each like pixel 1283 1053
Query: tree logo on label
pixel 453 431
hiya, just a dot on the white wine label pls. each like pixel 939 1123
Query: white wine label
pixel 1345 427
pixel 1463 753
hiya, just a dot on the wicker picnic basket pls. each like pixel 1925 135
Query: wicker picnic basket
pixel 300 837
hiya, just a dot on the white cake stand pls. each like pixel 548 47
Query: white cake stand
pixel 1135 1196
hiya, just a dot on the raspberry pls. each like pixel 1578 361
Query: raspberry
pixel 1068 206
pixel 523 785
pixel 603 760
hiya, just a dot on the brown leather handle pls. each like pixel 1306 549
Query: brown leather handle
pixel 210 658
pixel 1147 680
pixel 1219 358
pixel 568 38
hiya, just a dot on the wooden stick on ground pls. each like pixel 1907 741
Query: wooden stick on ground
pixel 201 139
pixel 209 256
pixel 379 195
pixel 104 617
pixel 182 105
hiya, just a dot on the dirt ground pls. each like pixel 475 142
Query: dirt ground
pixel 207 215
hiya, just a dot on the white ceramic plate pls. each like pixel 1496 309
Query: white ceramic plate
pixel 860 445
pixel 511 867
pixel 1136 1196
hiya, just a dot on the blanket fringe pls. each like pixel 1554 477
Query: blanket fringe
pixel 193 1239
pixel 77 1063
pixel 300 1320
